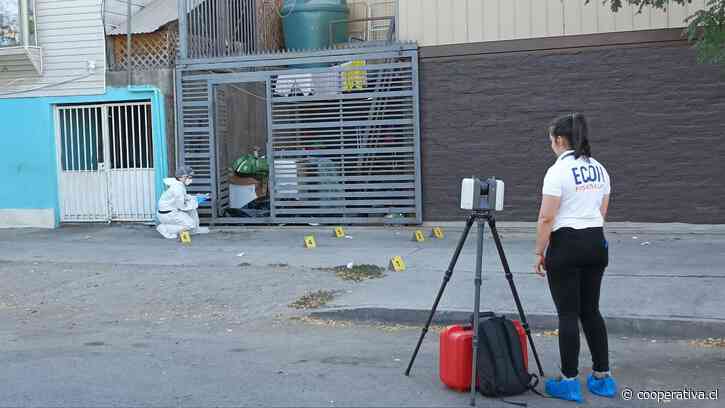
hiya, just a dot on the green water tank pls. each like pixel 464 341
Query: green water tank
pixel 306 23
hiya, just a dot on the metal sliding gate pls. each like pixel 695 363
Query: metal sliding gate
pixel 342 133
pixel 106 162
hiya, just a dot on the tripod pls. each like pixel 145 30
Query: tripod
pixel 479 216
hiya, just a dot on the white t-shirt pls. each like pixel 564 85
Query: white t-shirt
pixel 581 184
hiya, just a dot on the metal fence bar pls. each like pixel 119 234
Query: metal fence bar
pixel 127 163
pixel 76 163
pixel 217 24
pixel 182 9
pixel 416 122
pixel 148 204
pixel 250 26
pixel 133 170
pixel 107 160
pixel 270 148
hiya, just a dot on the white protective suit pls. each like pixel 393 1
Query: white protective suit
pixel 183 215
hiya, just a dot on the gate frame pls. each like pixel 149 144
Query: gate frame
pixel 261 68
pixel 105 167
pixel 111 96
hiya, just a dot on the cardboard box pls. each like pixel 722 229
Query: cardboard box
pixel 260 189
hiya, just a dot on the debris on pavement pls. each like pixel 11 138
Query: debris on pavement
pixel 644 243
pixel 356 273
pixel 244 265
pixel 313 300
pixel 551 333
pixel 387 327
pixel 710 342
pixel 240 254
pixel 278 265
pixel 321 322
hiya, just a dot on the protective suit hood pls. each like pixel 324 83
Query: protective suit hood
pixel 170 181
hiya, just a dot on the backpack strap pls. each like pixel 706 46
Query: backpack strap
pixel 491 353
pixel 511 356
pixel 533 378
pixel 517 403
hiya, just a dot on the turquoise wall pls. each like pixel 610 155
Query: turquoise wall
pixel 28 166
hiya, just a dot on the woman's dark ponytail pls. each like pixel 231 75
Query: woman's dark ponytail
pixel 580 136
pixel 574 129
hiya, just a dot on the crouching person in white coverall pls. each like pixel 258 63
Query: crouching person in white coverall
pixel 177 209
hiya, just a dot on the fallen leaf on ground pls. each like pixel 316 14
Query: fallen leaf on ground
pixel 313 300
pixel 356 273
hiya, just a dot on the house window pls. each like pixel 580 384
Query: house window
pixel 17 23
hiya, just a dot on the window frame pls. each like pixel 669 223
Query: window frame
pixel 27 25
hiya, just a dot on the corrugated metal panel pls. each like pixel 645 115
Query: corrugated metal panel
pixel 221 128
pixel 348 158
pixel 438 22
pixel 70 34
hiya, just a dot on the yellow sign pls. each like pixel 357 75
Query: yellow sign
pixel 339 232
pixel 185 237
pixel 354 79
pixel 419 236
pixel 310 242
pixel 438 232
pixel 397 264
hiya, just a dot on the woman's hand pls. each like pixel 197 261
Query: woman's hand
pixel 539 266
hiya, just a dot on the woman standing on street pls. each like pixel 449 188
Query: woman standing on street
pixel 571 220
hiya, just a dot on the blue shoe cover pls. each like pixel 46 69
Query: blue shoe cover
pixel 569 390
pixel 604 387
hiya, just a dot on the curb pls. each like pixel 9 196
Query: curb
pixel 629 326
pixel 510 227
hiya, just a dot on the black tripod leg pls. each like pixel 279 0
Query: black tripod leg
pixel 514 292
pixel 446 278
pixel 476 310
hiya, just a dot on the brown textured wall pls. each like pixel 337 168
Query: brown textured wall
pixel 657 121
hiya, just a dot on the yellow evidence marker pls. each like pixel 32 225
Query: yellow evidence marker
pixel 418 236
pixel 397 264
pixel 310 242
pixel 438 233
pixel 185 237
pixel 339 232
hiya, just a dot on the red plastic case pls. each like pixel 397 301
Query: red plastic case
pixel 456 347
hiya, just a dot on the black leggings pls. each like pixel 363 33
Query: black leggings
pixel 575 263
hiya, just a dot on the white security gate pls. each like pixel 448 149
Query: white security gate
pixel 106 162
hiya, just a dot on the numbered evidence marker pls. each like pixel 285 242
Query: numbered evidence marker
pixel 418 236
pixel 339 232
pixel 310 242
pixel 438 233
pixel 185 237
pixel 397 264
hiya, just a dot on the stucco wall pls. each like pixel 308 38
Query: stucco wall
pixel 28 165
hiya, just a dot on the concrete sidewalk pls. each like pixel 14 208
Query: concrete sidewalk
pixel 666 282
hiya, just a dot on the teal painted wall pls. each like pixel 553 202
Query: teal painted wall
pixel 28 167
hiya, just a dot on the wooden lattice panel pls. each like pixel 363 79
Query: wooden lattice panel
pixel 148 51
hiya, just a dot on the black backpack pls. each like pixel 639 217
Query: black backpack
pixel 500 365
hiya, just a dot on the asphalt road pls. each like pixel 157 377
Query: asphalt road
pixel 81 331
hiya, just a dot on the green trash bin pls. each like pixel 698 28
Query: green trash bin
pixel 306 23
